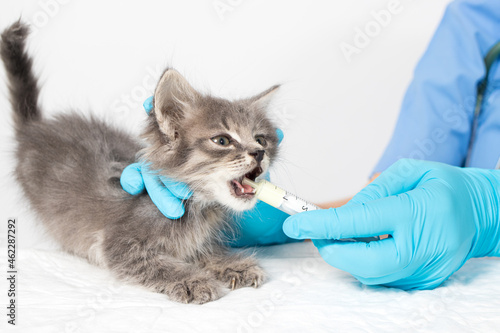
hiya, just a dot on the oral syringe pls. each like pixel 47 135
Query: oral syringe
pixel 289 203
pixel 278 197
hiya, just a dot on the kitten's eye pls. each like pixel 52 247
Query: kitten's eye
pixel 260 140
pixel 221 140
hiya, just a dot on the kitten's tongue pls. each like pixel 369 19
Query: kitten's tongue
pixel 242 189
pixel 247 188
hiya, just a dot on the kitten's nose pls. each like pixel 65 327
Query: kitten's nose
pixel 258 155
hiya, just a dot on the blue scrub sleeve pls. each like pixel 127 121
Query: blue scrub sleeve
pixel 436 115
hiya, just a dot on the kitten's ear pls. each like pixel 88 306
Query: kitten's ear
pixel 263 99
pixel 173 97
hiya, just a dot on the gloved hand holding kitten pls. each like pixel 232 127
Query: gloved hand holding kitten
pixel 261 225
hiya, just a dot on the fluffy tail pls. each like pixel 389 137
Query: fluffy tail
pixel 22 82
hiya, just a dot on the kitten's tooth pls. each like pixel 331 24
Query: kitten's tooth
pixel 255 284
pixel 233 283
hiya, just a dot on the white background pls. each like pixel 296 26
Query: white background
pixel 337 112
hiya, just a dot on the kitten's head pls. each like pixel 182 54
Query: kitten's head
pixel 210 143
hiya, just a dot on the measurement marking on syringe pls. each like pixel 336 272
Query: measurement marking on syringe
pixel 279 198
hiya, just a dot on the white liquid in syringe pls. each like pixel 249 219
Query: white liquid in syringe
pixel 289 202
pixel 279 198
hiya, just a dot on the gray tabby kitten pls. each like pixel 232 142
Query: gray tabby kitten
pixel 69 168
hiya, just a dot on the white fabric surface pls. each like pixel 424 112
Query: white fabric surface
pixel 62 293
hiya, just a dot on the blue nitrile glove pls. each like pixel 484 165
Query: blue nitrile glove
pixel 438 215
pixel 261 225
pixel 165 193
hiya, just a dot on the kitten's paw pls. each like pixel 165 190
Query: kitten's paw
pixel 239 276
pixel 196 290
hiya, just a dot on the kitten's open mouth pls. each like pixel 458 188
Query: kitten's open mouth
pixel 245 191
